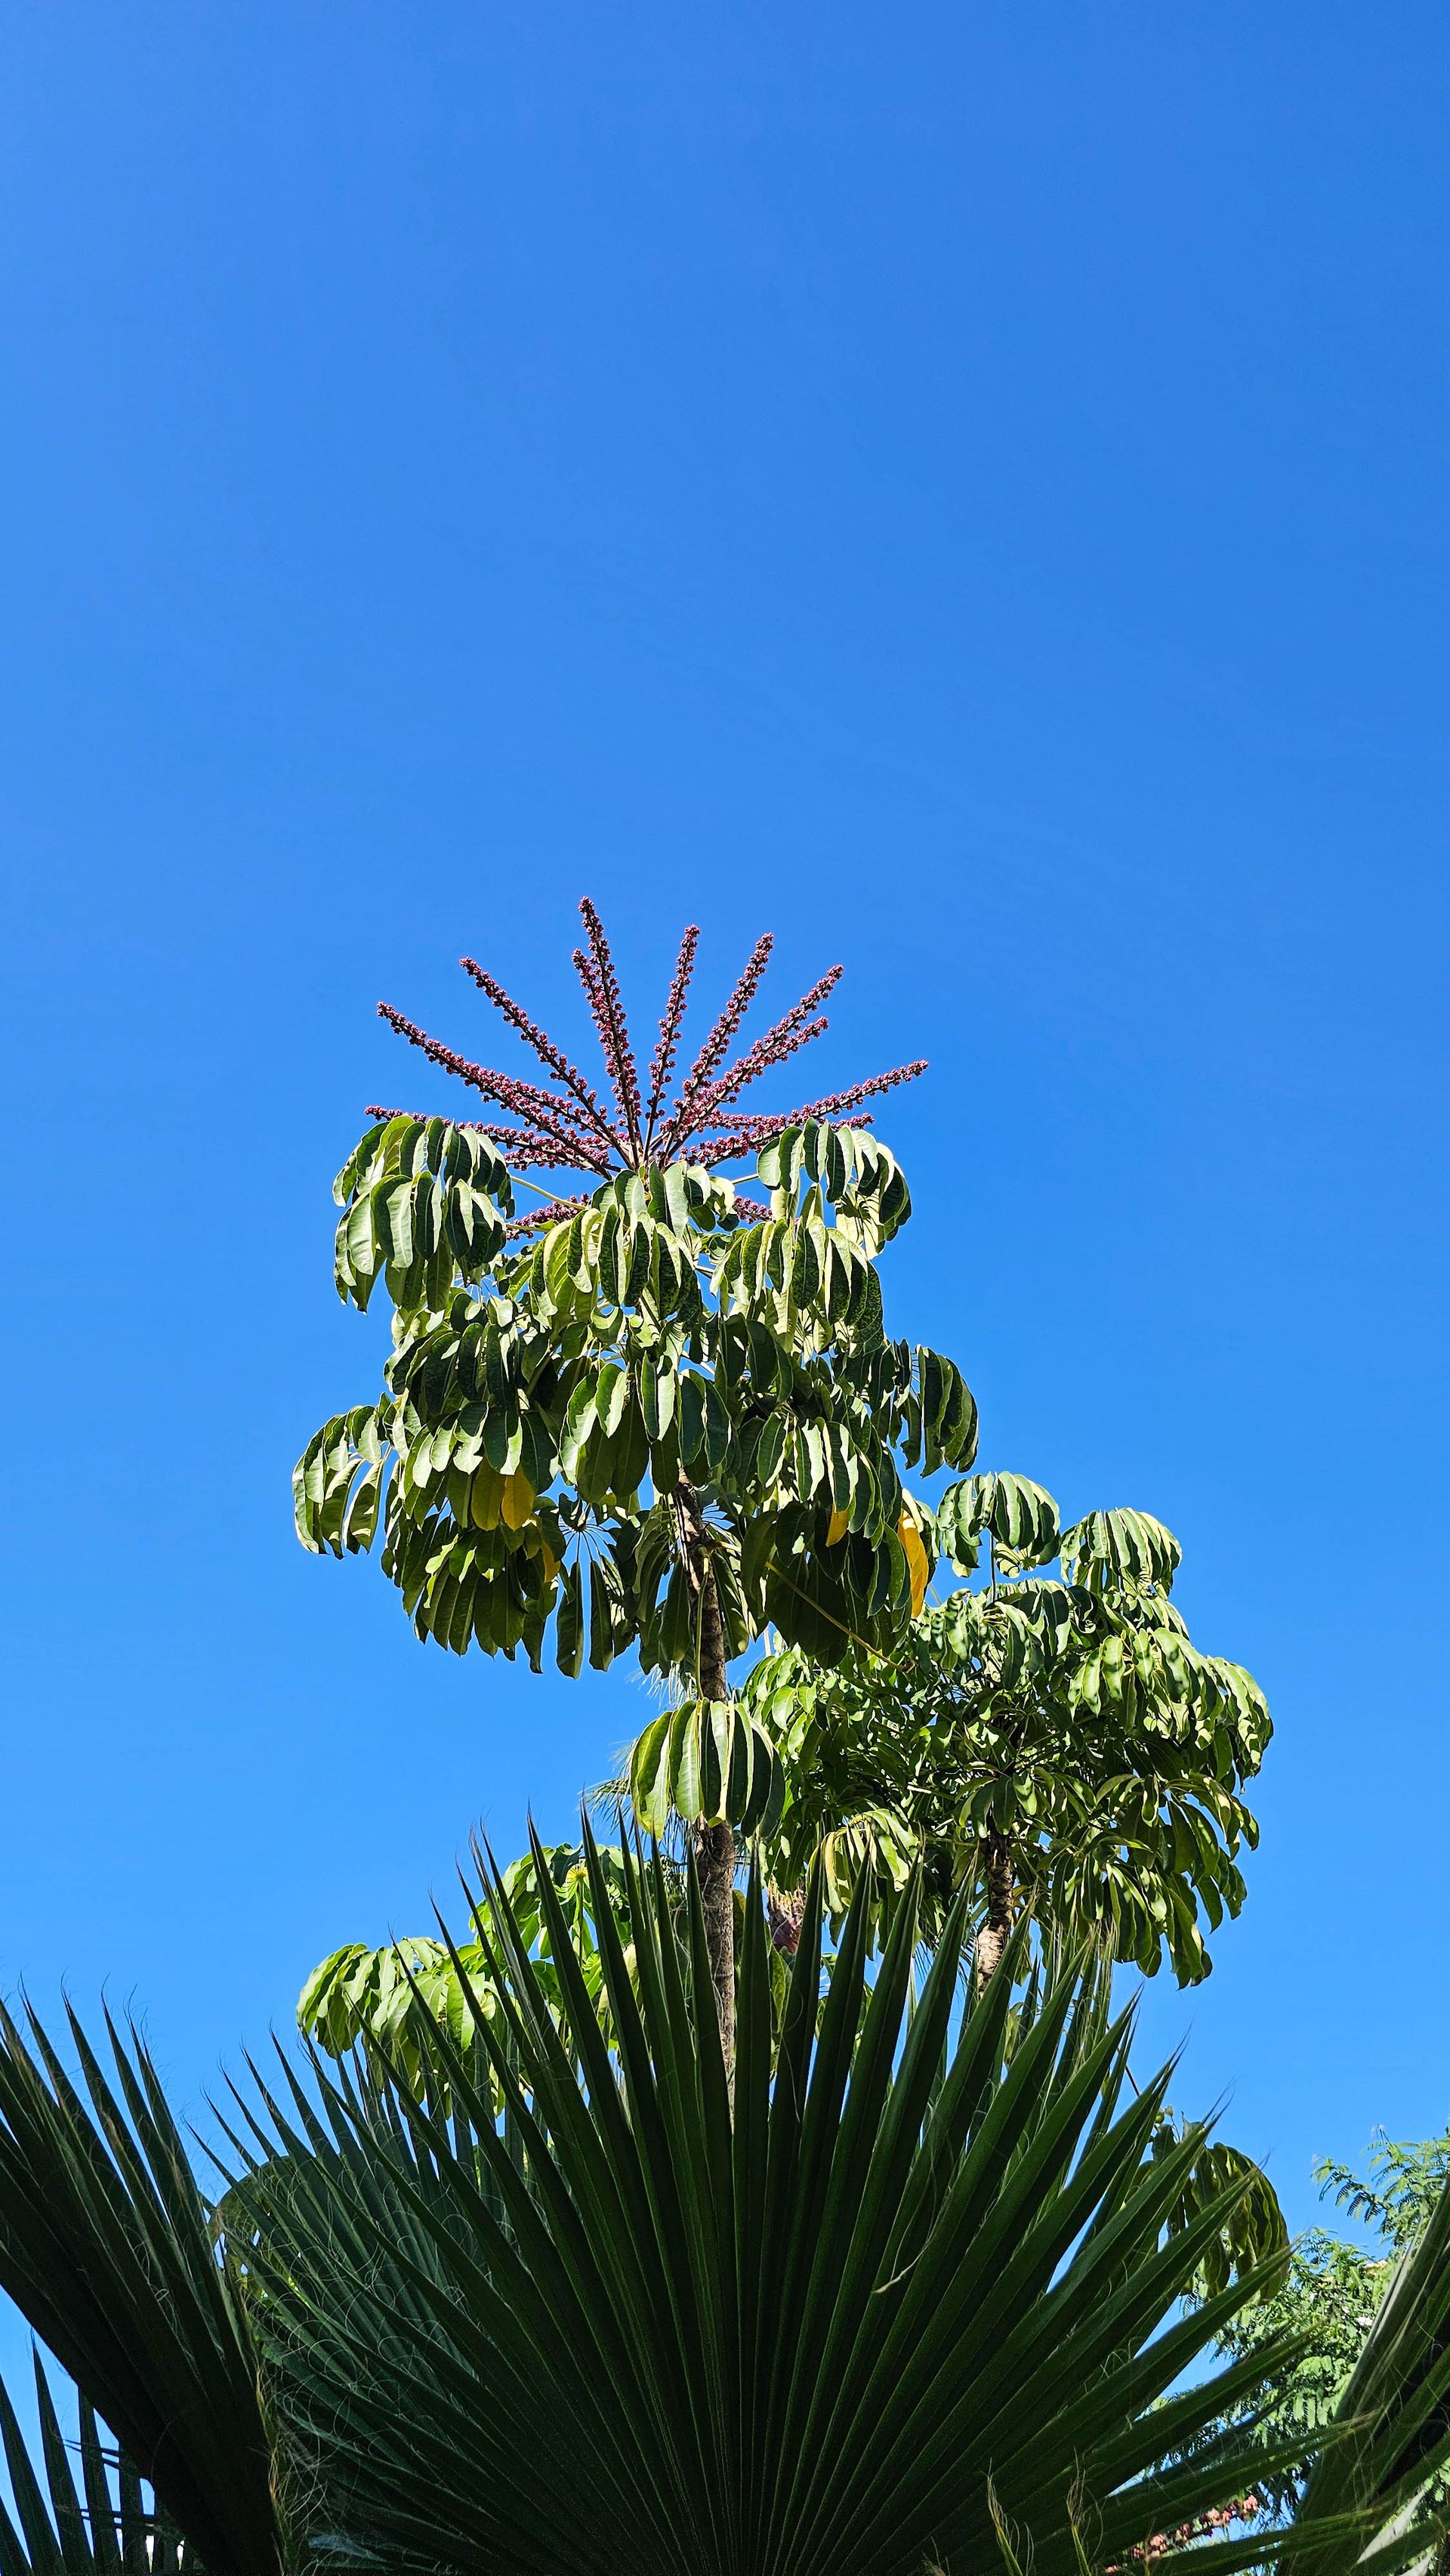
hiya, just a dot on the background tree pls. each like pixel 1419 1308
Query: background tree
pixel 1332 2294
pixel 383 1996
pixel 654 1413
pixel 1053 1742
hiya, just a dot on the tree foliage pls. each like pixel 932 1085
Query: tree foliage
pixel 1053 1741
pixel 558 1377
pixel 542 1406
pixel 1333 2292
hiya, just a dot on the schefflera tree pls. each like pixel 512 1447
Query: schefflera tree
pixel 654 1413
pixel 1055 1740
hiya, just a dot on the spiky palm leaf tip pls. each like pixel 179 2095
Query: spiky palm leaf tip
pixel 565 1127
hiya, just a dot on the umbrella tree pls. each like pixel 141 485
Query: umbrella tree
pixel 656 1412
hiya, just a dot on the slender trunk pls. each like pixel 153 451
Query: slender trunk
pixel 995 1933
pixel 714 1844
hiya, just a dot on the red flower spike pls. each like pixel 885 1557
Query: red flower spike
pixel 662 1061
pixel 796 1030
pixel 549 1115
pixel 718 1040
pixel 549 1215
pixel 831 1109
pixel 619 1055
pixel 543 1045
pixel 524 1149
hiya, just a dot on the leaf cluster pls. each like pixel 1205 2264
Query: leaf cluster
pixel 396 1997
pixel 1061 1725
pixel 1332 2293
pixel 543 1407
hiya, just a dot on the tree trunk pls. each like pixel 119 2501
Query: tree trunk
pixel 714 1844
pixel 995 1933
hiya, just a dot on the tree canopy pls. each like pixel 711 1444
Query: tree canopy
pixel 1333 2289
pixel 658 1414
pixel 1055 1741
pixel 558 1376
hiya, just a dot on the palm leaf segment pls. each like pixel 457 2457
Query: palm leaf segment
pixel 97 2524
pixel 107 2249
pixel 921 2276
pixel 665 1395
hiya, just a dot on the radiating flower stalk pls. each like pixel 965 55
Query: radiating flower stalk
pixel 565 1128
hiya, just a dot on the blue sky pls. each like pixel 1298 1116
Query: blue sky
pixel 963 487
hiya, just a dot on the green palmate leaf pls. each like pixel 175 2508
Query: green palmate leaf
pixel 1254 2238
pixel 704 1762
pixel 1020 1516
pixel 422 1201
pixel 1059 1748
pixel 1108 1550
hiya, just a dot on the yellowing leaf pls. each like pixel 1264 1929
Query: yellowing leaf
pixel 910 1537
pixel 516 1500
pixel 840 1523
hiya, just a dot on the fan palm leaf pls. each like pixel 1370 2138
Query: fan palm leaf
pixel 107 2247
pixel 916 2272
pixel 917 2286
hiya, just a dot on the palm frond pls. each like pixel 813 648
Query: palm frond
pixel 921 2262
pixel 107 2249
pixel 918 2284
pixel 101 2526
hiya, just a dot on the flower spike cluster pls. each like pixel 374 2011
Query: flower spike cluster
pixel 566 1128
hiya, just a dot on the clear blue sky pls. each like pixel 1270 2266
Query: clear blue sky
pixel 964 486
